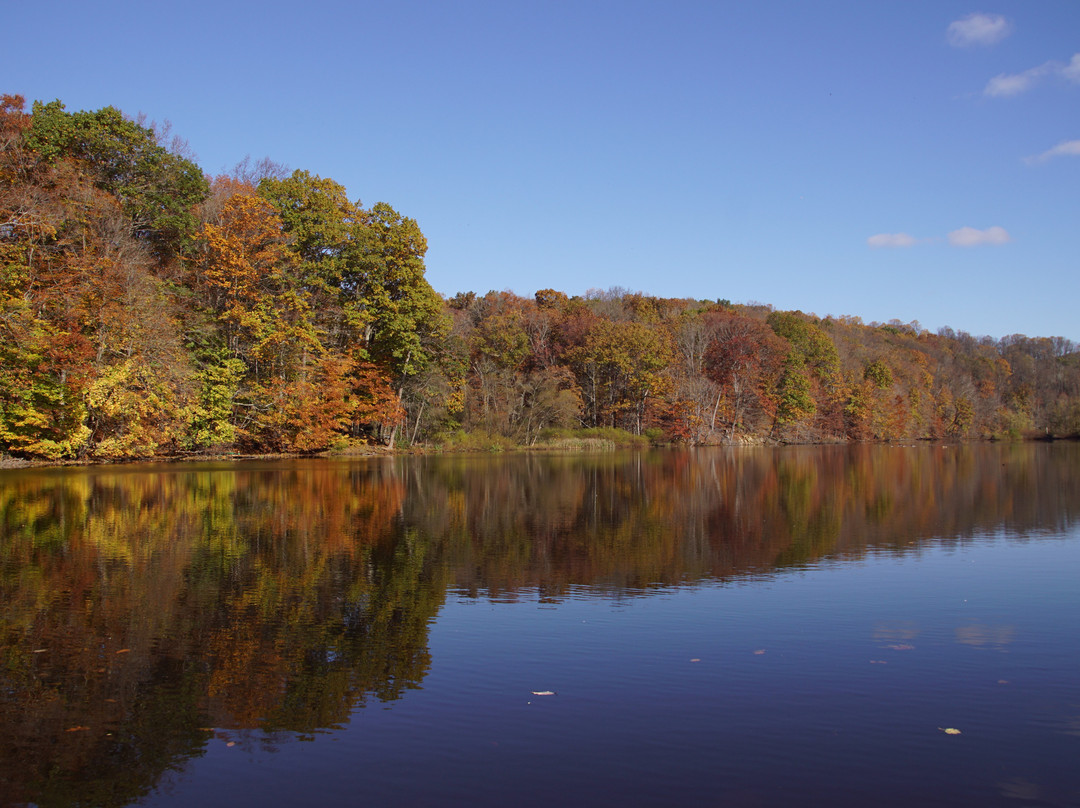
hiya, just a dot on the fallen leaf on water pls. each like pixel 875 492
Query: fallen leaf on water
pixel 231 743
pixel 124 651
pixel 950 730
pixel 759 652
pixel 40 650
pixel 543 692
pixel 695 660
pixel 76 729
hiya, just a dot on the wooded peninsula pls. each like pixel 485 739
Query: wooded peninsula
pixel 147 310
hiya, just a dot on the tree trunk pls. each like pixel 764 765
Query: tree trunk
pixel 416 426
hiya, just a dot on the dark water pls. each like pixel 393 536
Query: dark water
pixel 719 627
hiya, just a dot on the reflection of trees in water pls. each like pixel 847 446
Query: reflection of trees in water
pixel 636 521
pixel 143 606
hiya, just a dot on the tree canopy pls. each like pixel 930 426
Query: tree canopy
pixel 147 309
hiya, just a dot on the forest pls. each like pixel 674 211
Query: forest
pixel 148 310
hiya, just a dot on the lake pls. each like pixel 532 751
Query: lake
pixel 843 626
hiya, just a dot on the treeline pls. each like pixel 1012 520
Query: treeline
pixel 712 372
pixel 146 309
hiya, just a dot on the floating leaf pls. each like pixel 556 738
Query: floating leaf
pixel 949 730
pixel 543 692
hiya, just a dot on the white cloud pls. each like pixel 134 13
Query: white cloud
pixel 1013 84
pixel 1005 85
pixel 1067 148
pixel 891 240
pixel 978 29
pixel 971 237
pixel 1071 71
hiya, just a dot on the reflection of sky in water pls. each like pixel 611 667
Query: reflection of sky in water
pixel 690 647
pixel 825 684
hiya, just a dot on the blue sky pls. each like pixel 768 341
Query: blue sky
pixel 912 160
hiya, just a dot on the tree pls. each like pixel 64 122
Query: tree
pixel 619 366
pixel 809 343
pixel 321 224
pixel 745 359
pixel 156 188
pixel 385 287
pixel 364 273
pixel 95 358
pixel 388 299
pixel 245 260
pixel 292 395
pixel 794 402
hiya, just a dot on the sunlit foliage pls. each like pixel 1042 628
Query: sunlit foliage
pixel 146 310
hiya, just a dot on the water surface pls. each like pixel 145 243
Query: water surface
pixel 733 627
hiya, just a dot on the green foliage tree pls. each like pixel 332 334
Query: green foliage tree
pixel 364 272
pixel 794 400
pixel 156 188
pixel 809 342
pixel 878 374
pixel 401 315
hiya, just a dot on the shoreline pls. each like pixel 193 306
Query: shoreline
pixel 580 446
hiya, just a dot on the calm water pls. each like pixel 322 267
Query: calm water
pixel 718 627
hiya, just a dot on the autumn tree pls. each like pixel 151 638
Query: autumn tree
pixel 619 366
pixel 42 352
pixel 95 327
pixel 744 358
pixel 156 188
